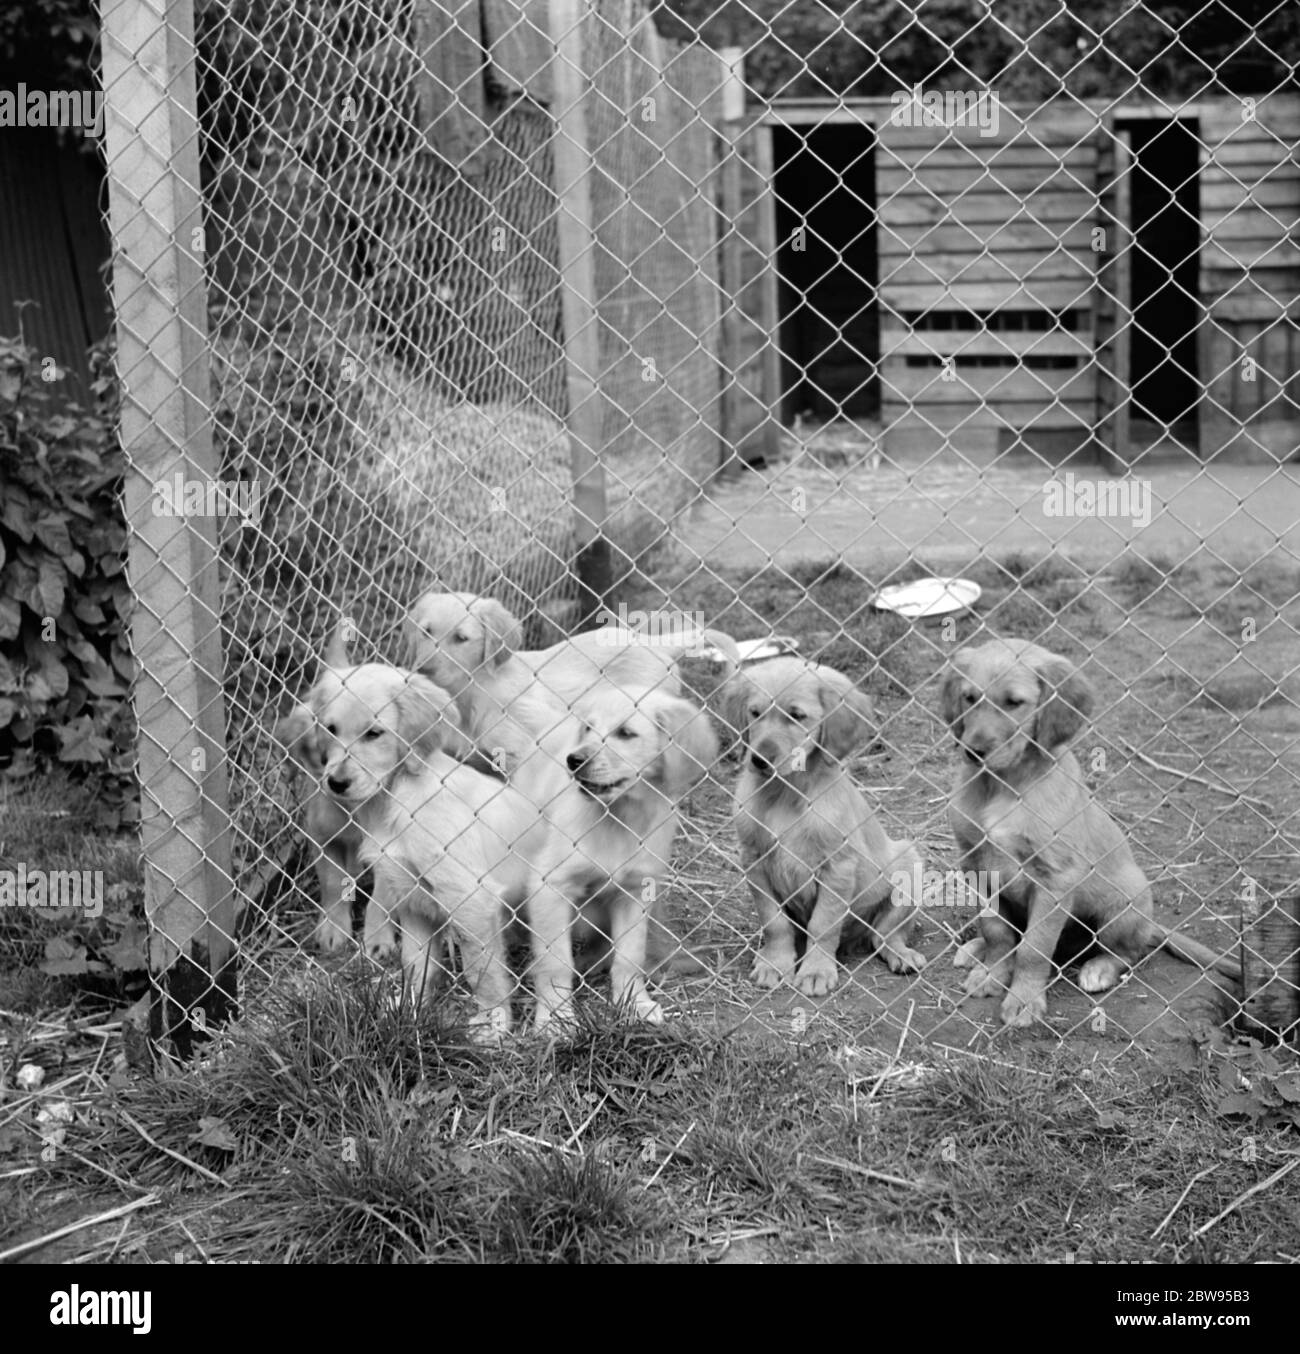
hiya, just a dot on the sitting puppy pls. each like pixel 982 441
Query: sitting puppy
pixel 635 756
pixel 1023 817
pixel 815 856
pixel 450 847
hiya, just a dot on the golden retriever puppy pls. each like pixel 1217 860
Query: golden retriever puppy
pixel 328 827
pixel 450 847
pixel 636 755
pixel 1026 822
pixel 508 697
pixel 470 646
pixel 815 856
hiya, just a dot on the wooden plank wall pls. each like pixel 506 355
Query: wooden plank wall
pixel 984 240
pixel 750 320
pixel 1250 279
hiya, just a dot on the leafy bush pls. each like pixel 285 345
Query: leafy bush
pixel 65 664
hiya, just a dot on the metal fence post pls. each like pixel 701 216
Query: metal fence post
pixel 162 358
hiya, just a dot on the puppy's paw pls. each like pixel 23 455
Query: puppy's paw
pixel 818 976
pixel 649 1011
pixel 771 971
pixel 329 937
pixel 1100 974
pixel 1021 1009
pixel 380 942
pixel 903 960
pixel 490 1026
pixel 969 954
pixel 983 982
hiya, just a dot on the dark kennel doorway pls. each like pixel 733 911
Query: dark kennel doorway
pixel 825 184
pixel 1164 271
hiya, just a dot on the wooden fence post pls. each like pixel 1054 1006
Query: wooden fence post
pixel 160 299
pixel 729 207
pixel 573 162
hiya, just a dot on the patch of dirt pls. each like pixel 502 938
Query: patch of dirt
pixel 1183 700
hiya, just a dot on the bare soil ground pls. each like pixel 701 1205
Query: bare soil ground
pixel 1198 669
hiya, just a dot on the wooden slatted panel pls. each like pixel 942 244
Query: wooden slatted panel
pixel 516 34
pixel 750 321
pixel 973 223
pixel 1250 280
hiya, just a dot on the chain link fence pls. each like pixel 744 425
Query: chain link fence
pixel 419 299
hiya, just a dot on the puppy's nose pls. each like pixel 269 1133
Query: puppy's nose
pixel 338 784
pixel 575 761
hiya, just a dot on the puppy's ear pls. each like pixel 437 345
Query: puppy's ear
pixel 690 745
pixel 1067 700
pixel 734 700
pixel 336 649
pixel 950 701
pixel 502 634
pixel 419 645
pixel 849 719
pixel 426 717
pixel 295 731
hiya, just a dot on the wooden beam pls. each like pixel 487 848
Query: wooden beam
pixel 573 164
pixel 1122 374
pixel 152 148
pixel 769 302
pixel 452 99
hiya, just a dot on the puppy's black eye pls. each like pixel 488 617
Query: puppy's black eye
pixel 800 715
pixel 1012 702
pixel 968 697
pixel 371 734
pixel 625 732
pixel 331 729
pixel 755 711
pixel 460 637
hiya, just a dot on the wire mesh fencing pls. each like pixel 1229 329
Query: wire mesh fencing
pixel 931 393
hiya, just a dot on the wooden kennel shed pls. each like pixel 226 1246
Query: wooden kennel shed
pixel 1076 277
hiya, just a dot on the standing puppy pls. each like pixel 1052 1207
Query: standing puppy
pixel 329 827
pixel 815 856
pixel 632 757
pixel 470 646
pixel 1024 818
pixel 451 848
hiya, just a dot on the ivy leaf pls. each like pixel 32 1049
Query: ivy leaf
pixel 215 1133
pixel 47 683
pixel 52 532
pixel 1288 1087
pixel 65 960
pixel 1240 1103
pixel 16 512
pixel 127 952
pixel 46 597
pixel 80 742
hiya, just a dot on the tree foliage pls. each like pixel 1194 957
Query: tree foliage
pixel 1024 49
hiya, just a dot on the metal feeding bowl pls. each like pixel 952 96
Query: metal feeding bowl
pixel 926 597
